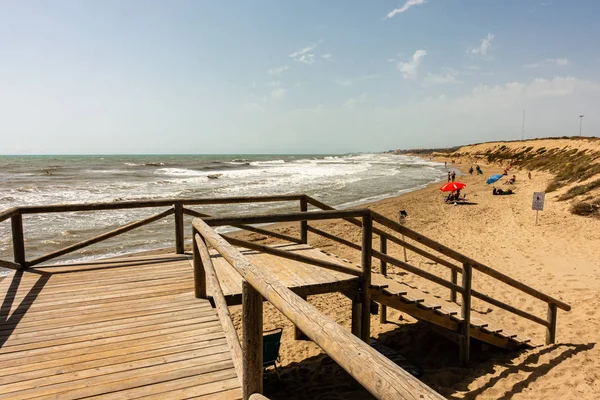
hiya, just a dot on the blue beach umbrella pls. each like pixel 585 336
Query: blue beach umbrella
pixel 493 178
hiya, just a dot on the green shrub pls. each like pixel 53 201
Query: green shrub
pixel 579 190
pixel 586 208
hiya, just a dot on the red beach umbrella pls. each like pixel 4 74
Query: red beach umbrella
pixel 452 186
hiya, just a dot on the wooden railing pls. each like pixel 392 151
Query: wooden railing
pixel 361 218
pixel 468 265
pixel 176 208
pixel 383 378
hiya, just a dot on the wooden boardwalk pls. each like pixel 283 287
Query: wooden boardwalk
pixel 306 279
pixel 118 329
pixel 132 328
pixel 301 278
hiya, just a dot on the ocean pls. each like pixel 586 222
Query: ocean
pixel 338 180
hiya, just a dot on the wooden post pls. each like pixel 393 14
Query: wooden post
pixel 16 222
pixel 551 329
pixel 179 227
pixel 199 273
pixel 303 224
pixel 298 334
pixel 454 279
pixel 465 338
pixel 252 345
pixel 356 316
pixel 383 270
pixel 367 243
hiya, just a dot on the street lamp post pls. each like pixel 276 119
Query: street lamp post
pixel 580 122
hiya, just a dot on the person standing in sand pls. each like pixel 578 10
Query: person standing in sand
pixel 471 170
pixel 449 176
pixel 453 176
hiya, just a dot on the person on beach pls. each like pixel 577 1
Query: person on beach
pixel 479 171
pixel 529 174
pixel 449 176
pixel 445 164
pixel 471 170
pixel 453 176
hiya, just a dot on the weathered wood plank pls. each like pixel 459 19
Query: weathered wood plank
pixel 222 310
pixel 384 379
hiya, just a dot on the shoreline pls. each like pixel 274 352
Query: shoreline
pixel 556 257
pixel 498 231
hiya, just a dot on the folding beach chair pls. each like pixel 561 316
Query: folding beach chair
pixel 271 343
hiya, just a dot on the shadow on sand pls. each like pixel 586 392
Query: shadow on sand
pixel 321 378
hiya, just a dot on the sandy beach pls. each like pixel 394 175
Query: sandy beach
pixel 560 256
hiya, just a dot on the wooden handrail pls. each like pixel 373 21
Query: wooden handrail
pixel 466 260
pixel 155 203
pixel 99 238
pixel 456 288
pixel 394 239
pixel 417 271
pixel 9 264
pixel 383 378
pixel 289 217
pixel 329 236
pixel 294 256
pixel 249 228
pixel 6 214
pixel 508 307
pixel 222 310
pixel 389 259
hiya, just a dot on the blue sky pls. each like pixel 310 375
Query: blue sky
pixel 293 77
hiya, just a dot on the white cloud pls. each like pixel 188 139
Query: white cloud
pixel 410 68
pixel 327 57
pixel 440 79
pixel 561 62
pixel 484 47
pixel 354 101
pixel 405 7
pixel 486 112
pixel 304 55
pixel 353 81
pixel 278 70
pixel 279 93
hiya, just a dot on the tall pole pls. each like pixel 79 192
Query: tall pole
pixel 523 128
pixel 580 122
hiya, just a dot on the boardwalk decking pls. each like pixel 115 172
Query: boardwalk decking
pixel 302 278
pixel 132 328
pixel 114 329
pixel 309 279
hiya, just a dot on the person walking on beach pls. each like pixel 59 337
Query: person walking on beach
pixel 453 176
pixel 471 170
pixel 446 165
pixel 449 176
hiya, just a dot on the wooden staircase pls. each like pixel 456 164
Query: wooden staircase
pixel 440 312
